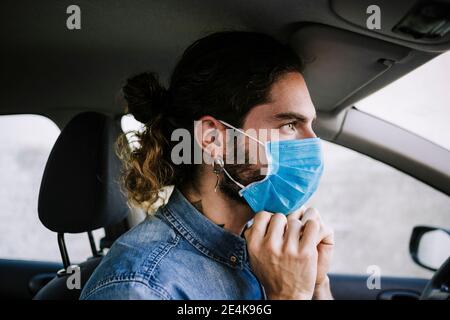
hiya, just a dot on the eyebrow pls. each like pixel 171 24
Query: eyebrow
pixel 292 116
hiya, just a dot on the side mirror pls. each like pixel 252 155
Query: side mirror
pixel 429 247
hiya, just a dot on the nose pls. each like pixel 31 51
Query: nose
pixel 309 133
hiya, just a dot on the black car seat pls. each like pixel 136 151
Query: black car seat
pixel 80 192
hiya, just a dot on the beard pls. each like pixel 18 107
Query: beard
pixel 242 173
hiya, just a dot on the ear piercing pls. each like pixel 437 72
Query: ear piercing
pixel 217 169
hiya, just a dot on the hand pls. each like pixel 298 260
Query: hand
pixel 285 264
pixel 325 251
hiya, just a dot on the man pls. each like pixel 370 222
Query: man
pixel 198 245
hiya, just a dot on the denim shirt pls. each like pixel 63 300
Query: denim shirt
pixel 176 254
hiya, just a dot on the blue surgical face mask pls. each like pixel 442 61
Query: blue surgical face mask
pixel 293 174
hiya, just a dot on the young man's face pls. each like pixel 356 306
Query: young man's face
pixel 290 112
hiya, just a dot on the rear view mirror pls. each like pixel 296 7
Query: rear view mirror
pixel 429 247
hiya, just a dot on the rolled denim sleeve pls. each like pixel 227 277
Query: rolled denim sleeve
pixel 125 290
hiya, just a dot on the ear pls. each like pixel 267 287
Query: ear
pixel 209 134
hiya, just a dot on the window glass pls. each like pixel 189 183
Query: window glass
pixel 418 102
pixel 25 144
pixel 373 209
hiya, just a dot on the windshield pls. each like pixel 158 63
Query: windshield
pixel 418 102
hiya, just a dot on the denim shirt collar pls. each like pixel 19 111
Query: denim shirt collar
pixel 207 237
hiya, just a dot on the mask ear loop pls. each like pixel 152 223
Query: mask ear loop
pixel 242 132
pixel 218 167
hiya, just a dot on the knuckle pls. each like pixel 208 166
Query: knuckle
pixel 271 249
pixel 291 251
pixel 262 215
pixel 307 253
pixel 313 213
pixel 313 224
pixel 280 217
pixel 296 215
pixel 295 223
pixel 260 218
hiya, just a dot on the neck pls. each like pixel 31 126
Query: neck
pixel 216 206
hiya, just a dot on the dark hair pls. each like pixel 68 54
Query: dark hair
pixel 223 75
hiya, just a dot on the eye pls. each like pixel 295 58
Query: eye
pixel 289 127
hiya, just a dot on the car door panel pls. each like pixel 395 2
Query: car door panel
pixel 354 287
pixel 20 279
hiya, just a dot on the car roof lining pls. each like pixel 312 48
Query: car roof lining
pixel 340 63
pixel 47 68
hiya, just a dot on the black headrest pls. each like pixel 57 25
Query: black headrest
pixel 80 189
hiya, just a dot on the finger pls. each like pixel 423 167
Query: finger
pixel 297 214
pixel 292 236
pixel 310 235
pixel 311 213
pixel 260 223
pixel 277 226
pixel 327 236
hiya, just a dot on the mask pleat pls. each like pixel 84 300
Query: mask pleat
pixel 288 184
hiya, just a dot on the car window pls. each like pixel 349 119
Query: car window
pixel 25 144
pixel 418 102
pixel 373 209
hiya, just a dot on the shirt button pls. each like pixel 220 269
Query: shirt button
pixel 233 259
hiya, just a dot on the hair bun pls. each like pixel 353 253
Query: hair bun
pixel 145 96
